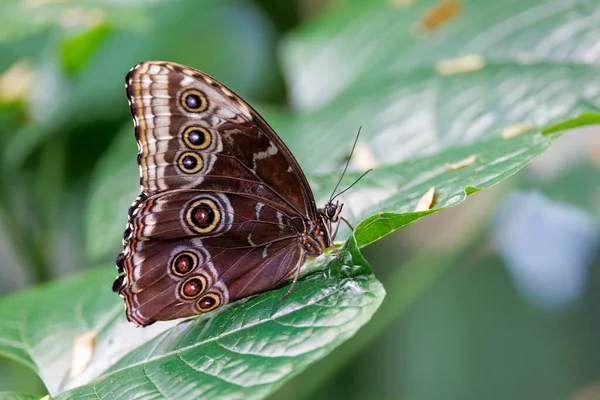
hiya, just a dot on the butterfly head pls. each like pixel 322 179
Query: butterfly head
pixel 331 211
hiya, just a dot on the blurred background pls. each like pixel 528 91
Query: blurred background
pixel 496 298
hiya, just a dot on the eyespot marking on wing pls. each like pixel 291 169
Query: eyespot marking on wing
pixel 184 263
pixel 203 216
pixel 209 302
pixel 197 137
pixel 194 101
pixel 193 287
pixel 190 162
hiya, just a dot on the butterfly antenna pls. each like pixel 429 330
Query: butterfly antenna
pixel 345 168
pixel 355 182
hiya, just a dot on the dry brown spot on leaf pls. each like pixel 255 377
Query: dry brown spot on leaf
pixel 515 130
pixel 427 201
pixel 593 151
pixel 436 15
pixel 461 164
pixel 363 158
pixel 83 351
pixel 460 65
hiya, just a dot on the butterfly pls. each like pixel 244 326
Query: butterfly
pixel 225 211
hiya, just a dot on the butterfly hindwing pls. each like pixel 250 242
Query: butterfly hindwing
pixel 185 277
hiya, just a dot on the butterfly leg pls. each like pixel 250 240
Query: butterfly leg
pixel 331 239
pixel 336 252
pixel 337 228
pixel 296 276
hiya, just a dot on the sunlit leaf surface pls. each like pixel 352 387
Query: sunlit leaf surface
pixel 17 396
pixel 245 350
pixel 487 82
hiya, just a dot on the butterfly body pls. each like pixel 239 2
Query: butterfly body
pixel 225 210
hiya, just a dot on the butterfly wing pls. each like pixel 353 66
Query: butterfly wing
pixel 185 277
pixel 192 131
pixel 223 201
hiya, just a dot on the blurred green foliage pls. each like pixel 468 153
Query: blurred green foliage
pixel 455 324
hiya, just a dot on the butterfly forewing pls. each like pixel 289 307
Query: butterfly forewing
pixel 225 207
pixel 219 143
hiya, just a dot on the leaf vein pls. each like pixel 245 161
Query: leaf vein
pixel 214 339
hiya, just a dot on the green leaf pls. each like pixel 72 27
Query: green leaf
pixel 20 19
pixel 415 118
pixel 406 285
pixel 415 123
pixel 364 39
pixel 115 184
pixel 247 349
pixel 496 160
pixel 76 51
pixel 412 125
pixel 17 396
pixel 577 122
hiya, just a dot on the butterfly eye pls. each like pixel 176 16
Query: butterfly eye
pixel 190 162
pixel 209 302
pixel 193 287
pixel 331 212
pixel 194 101
pixel 184 263
pixel 196 138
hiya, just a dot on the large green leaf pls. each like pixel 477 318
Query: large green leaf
pixel 412 125
pixel 246 350
pixel 17 396
pixel 367 38
pixel 415 119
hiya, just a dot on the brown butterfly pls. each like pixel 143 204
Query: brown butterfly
pixel 225 210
